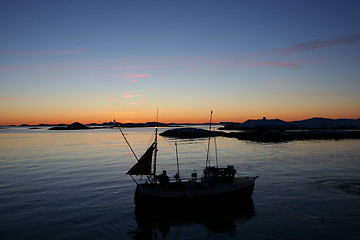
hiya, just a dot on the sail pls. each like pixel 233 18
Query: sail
pixel 143 166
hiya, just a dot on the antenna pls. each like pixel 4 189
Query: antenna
pixel 207 155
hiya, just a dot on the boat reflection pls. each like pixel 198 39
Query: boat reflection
pixel 218 219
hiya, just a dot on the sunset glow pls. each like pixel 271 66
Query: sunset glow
pixel 291 63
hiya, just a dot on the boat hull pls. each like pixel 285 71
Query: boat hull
pixel 194 194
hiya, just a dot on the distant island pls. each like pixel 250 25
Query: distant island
pixel 275 130
pixel 258 124
pixel 265 135
pixel 261 130
pixel 313 123
pixel 78 126
pixel 73 126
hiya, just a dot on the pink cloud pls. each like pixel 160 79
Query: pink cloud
pixel 139 75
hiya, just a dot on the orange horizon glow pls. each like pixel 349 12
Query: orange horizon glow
pixel 150 116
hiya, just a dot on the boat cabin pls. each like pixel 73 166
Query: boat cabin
pixel 215 174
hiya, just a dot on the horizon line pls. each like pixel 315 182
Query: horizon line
pixel 180 123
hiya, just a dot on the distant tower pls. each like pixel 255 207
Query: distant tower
pixel 264 118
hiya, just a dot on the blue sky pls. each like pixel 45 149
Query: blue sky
pixel 64 61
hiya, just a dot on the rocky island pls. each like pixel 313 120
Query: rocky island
pixel 73 126
pixel 276 130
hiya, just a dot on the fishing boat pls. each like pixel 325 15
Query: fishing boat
pixel 217 184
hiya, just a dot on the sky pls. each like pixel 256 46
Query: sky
pixel 95 61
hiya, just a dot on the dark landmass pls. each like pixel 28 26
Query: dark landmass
pixel 313 124
pixel 276 130
pixel 77 125
pixel 264 135
pixel 261 130
pixel 190 132
pixel 147 124
pixel 115 124
pixel 73 126
pixel 40 125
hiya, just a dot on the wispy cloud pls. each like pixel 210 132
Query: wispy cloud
pixel 139 75
pixel 114 67
pixel 84 68
pixel 234 63
pixel 247 64
pixel 64 52
pixel 133 78
pixel 134 99
pixel 297 48
pixel 306 46
pixel 132 96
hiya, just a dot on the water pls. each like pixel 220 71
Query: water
pixel 72 185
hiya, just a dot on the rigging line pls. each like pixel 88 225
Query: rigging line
pixel 177 161
pixel 134 180
pixel 183 156
pixel 150 141
pixel 127 142
pixel 156 142
pixel 216 153
pixel 222 158
pixel 207 155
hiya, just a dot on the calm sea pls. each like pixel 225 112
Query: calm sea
pixel 72 185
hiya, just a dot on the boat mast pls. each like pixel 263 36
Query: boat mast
pixel 177 160
pixel 207 155
pixel 156 149
pixel 216 152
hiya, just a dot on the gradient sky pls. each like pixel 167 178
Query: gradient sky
pixel 93 61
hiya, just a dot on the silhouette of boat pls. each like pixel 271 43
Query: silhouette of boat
pixel 216 184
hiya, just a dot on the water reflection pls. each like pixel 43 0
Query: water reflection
pixel 349 186
pixel 155 224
